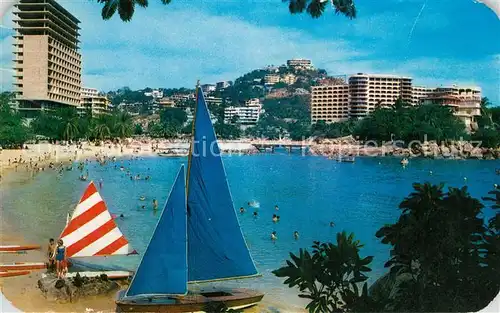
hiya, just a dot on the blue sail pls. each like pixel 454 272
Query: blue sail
pixel 163 268
pixel 216 247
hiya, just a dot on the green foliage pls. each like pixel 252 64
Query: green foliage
pixel 444 258
pixel 244 88
pixel 489 125
pixel 436 250
pixel 156 130
pixel 138 129
pixel 316 8
pixel 101 129
pixel 333 130
pixel 431 122
pixel 294 108
pixel 173 116
pixel 330 276
pixel 489 137
pixel 13 133
pixel 171 124
pixel 128 96
pixel 492 242
pixel 122 125
pixel 280 85
pixel 283 116
pixel 227 131
pixel 67 124
pixel 46 125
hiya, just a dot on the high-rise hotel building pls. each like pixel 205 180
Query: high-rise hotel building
pixel 368 91
pixel 47 64
pixel 330 103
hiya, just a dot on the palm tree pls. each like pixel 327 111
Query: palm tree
pixel 123 126
pixel 101 129
pixel 69 123
pixel 486 113
pixel 315 8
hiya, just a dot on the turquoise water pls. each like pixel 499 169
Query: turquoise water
pixel 310 192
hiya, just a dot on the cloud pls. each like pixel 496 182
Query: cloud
pixel 174 47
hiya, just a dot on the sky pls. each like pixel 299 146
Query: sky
pixel 437 42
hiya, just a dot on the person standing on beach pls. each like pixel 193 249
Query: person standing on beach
pixel 60 259
pixel 51 253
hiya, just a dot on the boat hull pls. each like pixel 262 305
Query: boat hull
pixel 13 273
pixel 12 248
pixel 194 303
pixel 23 266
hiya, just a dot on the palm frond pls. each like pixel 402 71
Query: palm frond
pixel 109 8
pixel 126 9
pixel 142 3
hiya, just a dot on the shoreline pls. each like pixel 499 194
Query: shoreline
pixel 18 289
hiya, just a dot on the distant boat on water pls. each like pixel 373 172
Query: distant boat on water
pixel 197 239
pixel 340 158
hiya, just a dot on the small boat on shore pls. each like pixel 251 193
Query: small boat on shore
pixel 198 238
pixel 346 159
pixel 18 266
pixel 13 273
pixel 92 231
pixel 15 248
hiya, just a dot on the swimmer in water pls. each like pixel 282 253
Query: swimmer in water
pixel 255 214
pixel 242 210
pixel 276 208
pixel 143 207
pixel 275 218
pixel 274 236
pixel 296 235
pixel 122 216
pixel 332 224
pixel 142 198
pixel 155 204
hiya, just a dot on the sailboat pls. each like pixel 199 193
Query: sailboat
pixel 91 231
pixel 197 239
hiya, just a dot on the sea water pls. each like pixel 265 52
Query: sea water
pixel 309 191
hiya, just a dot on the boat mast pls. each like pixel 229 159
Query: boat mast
pixel 196 94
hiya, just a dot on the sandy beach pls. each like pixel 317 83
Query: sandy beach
pixel 23 291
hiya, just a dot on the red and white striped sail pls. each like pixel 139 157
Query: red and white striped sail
pixel 91 231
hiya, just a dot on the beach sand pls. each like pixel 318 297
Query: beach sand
pixel 23 291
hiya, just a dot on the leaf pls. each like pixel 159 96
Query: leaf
pixel 126 9
pixel 109 9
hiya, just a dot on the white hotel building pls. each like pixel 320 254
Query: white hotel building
pixel 91 100
pixel 247 115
